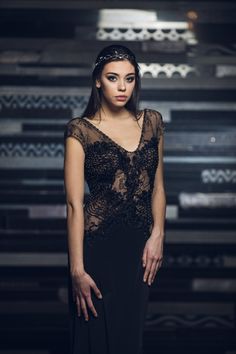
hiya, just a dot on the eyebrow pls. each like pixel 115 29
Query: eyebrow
pixel 118 74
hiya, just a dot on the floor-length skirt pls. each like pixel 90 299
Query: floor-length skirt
pixel 115 264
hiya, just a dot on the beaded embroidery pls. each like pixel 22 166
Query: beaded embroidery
pixel 120 182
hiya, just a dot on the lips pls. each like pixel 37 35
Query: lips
pixel 122 98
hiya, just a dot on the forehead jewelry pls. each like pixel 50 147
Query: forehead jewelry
pixel 116 55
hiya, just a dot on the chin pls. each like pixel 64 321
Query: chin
pixel 118 104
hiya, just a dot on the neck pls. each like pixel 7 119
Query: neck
pixel 110 112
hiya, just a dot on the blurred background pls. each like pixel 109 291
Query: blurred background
pixel 187 55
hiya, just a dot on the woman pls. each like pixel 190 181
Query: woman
pixel 115 238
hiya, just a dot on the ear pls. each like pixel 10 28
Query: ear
pixel 98 84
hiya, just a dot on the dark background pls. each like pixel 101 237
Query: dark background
pixel 187 52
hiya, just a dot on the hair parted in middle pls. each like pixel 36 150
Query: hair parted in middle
pixel 108 54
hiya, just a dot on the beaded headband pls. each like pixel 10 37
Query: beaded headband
pixel 116 55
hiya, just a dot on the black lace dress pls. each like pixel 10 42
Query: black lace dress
pixel 118 220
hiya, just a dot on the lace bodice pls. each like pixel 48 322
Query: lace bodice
pixel 120 182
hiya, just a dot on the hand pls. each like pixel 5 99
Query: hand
pixel 152 257
pixel 81 293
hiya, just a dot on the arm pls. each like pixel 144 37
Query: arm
pixel 153 250
pixel 159 197
pixel 74 187
pixel 82 282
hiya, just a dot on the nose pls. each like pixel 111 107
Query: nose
pixel 121 86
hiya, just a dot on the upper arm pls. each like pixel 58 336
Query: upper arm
pixel 159 177
pixel 74 171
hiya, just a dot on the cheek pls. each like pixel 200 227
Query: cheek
pixel 131 87
pixel 108 88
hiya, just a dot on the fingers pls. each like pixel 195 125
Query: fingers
pixel 84 301
pixel 84 308
pixel 91 306
pixel 89 299
pixel 96 290
pixel 152 272
pixel 144 258
pixel 153 264
pixel 78 306
pixel 158 265
pixel 147 269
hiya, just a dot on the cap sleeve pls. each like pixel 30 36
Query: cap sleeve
pixel 158 125
pixel 76 129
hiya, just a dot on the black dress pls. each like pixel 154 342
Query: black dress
pixel 118 221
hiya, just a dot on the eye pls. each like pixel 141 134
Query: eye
pixel 130 79
pixel 111 78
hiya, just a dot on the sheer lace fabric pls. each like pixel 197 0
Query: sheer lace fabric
pixel 120 182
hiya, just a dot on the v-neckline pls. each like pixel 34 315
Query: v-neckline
pixel 113 141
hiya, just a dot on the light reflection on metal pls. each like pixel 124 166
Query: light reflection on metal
pixel 213 139
pixel 125 17
pixel 216 285
pixel 219 176
pixel 192 15
pixel 139 25
pixel 167 70
pixel 207 200
pixel 225 71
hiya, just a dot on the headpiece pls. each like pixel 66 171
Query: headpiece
pixel 114 56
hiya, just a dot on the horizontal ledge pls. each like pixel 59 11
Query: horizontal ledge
pixel 33 259
pixel 119 4
pixel 31 163
pixel 57 163
pixel 207 83
pixel 201 237
pixel 33 307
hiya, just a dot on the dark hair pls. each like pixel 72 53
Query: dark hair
pixel 108 54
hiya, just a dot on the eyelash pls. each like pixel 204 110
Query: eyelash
pixel 129 79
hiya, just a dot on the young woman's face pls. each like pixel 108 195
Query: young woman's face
pixel 117 82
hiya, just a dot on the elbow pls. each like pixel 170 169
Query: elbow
pixel 159 194
pixel 74 206
pixel 159 189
